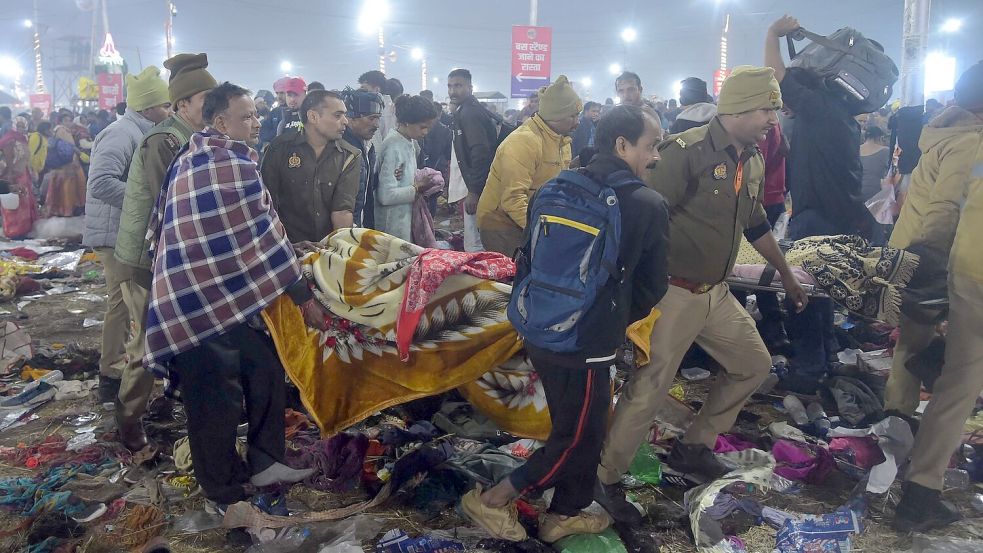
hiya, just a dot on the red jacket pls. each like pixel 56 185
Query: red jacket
pixel 773 150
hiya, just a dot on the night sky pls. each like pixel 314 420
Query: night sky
pixel 246 40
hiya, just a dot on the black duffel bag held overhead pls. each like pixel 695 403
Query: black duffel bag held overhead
pixel 849 61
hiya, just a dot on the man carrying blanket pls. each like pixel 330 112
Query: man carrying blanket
pixel 220 256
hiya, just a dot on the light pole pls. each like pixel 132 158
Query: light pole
pixel 169 28
pixel 39 87
pixel 374 14
pixel 628 35
pixel 614 69
pixel 915 44
pixel 417 54
pixel 586 82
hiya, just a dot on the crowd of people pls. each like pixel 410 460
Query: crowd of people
pixel 200 197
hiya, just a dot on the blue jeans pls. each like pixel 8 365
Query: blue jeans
pixel 811 332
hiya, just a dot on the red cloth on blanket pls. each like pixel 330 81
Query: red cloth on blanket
pixel 426 274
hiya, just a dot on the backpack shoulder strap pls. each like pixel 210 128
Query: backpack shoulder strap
pixel 579 179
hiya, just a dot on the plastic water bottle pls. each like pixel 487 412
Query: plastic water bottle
pixel 779 366
pixel 797 411
pixel 815 411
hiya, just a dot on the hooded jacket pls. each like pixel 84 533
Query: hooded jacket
pixel 695 115
pixel 111 155
pixel 944 207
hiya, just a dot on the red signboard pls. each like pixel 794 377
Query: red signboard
pixel 110 90
pixel 718 80
pixel 532 48
pixel 42 102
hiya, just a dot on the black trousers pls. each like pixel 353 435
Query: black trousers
pixel 579 401
pixel 216 379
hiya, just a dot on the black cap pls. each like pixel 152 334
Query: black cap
pixel 693 90
pixel 969 90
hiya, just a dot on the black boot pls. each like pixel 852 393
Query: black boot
pixel 921 509
pixel 613 499
pixel 695 459
pixel 108 389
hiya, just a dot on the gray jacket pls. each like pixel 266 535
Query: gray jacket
pixel 110 161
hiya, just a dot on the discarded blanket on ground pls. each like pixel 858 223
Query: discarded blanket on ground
pixel 353 369
pixel 865 280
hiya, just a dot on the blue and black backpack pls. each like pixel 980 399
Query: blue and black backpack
pixel 573 238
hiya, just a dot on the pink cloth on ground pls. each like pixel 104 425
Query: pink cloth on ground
pixel 865 452
pixel 801 461
pixel 727 443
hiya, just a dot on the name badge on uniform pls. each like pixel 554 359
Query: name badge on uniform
pixel 720 171
pixel 293 161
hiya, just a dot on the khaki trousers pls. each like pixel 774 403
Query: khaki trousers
pixel 116 322
pixel 137 383
pixel 503 241
pixel 955 392
pixel 720 326
pixel 903 390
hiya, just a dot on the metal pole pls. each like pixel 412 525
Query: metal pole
pixel 92 45
pixel 533 12
pixel 423 74
pixel 915 43
pixel 38 76
pixel 382 50
pixel 169 29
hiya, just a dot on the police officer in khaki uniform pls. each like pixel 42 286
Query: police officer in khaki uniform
pixel 313 174
pixel 712 178
pixel 187 86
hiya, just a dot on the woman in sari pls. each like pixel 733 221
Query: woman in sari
pixel 65 196
pixel 14 169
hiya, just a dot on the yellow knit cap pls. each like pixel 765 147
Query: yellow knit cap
pixel 749 88
pixel 558 100
pixel 146 90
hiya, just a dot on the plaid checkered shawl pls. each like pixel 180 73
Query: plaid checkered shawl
pixel 220 252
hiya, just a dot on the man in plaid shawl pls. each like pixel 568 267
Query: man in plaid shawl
pixel 220 256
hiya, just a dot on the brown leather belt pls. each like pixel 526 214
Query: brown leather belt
pixel 693 287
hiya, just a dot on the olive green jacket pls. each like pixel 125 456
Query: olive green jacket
pixel 707 217
pixel 148 170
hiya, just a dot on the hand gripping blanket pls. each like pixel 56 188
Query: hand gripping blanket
pixel 376 285
pixel 221 252
pixel 864 279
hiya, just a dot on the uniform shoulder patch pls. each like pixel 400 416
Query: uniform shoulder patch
pixel 172 142
pixel 681 142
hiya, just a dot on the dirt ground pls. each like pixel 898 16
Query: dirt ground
pixel 56 323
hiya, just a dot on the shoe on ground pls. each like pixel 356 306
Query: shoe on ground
pixel 108 389
pixel 278 473
pixel 30 397
pixel 913 423
pixel 553 527
pixel 215 508
pixel 272 504
pixel 91 512
pixel 921 509
pixel 613 499
pixel 696 459
pixel 131 434
pixel 500 522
